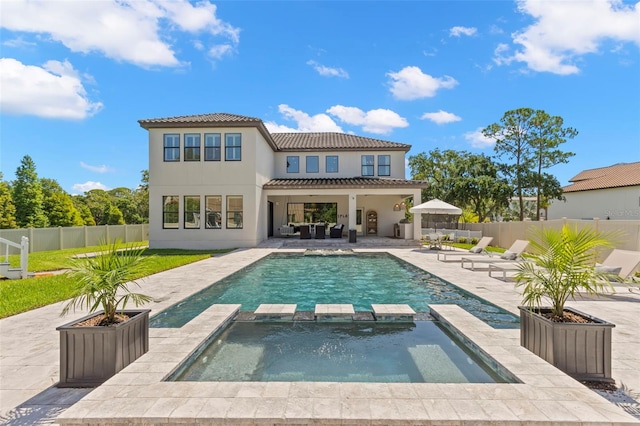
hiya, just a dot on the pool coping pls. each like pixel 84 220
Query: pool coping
pixel 138 393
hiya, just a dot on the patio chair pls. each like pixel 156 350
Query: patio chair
pixel 433 241
pixel 320 231
pixel 336 230
pixel 479 249
pixel 512 254
pixel 305 232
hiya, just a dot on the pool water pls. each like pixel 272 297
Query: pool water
pixel 419 352
pixel 360 280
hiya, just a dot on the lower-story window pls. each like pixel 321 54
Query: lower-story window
pixel 191 211
pixel 170 215
pixel 234 211
pixel 213 211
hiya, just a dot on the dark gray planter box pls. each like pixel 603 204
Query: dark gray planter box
pixel 583 351
pixel 91 355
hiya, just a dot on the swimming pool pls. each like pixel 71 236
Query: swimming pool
pixel 361 280
pixel 420 352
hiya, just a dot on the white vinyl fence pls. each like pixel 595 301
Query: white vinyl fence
pixel 46 239
pixel 505 233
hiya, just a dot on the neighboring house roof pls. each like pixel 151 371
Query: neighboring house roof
pixel 618 175
pixel 279 141
pixel 332 141
pixel 356 182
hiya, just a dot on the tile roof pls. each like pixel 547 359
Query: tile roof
pixel 214 118
pixel 330 141
pixel 356 182
pixel 618 175
pixel 302 141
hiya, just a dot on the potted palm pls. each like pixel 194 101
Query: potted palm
pixel 97 346
pixel 561 265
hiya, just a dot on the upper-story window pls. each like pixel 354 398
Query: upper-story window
pixel 192 147
pixel 384 165
pixel 313 164
pixel 331 164
pixel 172 147
pixel 293 164
pixel 368 165
pixel 212 147
pixel 233 146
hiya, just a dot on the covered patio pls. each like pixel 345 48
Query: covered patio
pixel 373 207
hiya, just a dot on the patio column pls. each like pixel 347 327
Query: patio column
pixel 417 218
pixel 352 211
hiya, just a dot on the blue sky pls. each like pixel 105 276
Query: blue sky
pixel 75 76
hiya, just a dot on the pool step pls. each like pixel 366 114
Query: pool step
pixel 275 312
pixel 393 312
pixel 334 312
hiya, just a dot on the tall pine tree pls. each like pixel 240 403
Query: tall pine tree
pixel 28 197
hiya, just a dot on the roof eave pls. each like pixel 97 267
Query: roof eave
pixel 193 124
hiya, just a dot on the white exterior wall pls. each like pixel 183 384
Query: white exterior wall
pixel 349 164
pixel 614 203
pixel 200 178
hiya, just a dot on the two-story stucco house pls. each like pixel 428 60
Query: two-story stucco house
pixel 223 180
pixel 611 192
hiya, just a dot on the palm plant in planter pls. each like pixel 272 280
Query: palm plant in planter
pixel 563 264
pixel 97 346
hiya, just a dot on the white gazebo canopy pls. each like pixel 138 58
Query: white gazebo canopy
pixel 436 206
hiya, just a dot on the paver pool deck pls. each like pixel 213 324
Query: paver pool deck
pixel 29 368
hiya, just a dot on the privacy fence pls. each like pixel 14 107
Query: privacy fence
pixel 46 239
pixel 505 233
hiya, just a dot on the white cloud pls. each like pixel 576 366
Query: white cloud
pixel 217 52
pixel 440 117
pixel 379 121
pixel 305 122
pixel 133 31
pixel 54 90
pixel 88 186
pixel 411 83
pixel 478 140
pixel 565 30
pixel 460 31
pixel 18 42
pixel 274 127
pixel 327 71
pixel 98 169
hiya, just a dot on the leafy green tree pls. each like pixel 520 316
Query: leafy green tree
pixel 28 197
pixel 142 197
pixel 113 215
pixel 547 134
pixel 462 179
pixel 83 209
pixel 7 209
pixel 481 185
pixel 99 203
pixel 58 205
pixel 512 142
pixel 127 202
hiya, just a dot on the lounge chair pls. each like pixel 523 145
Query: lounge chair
pixel 479 249
pixel 512 254
pixel 305 232
pixel 320 231
pixel 336 230
pixel 620 263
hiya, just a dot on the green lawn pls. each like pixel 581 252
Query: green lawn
pixel 18 296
